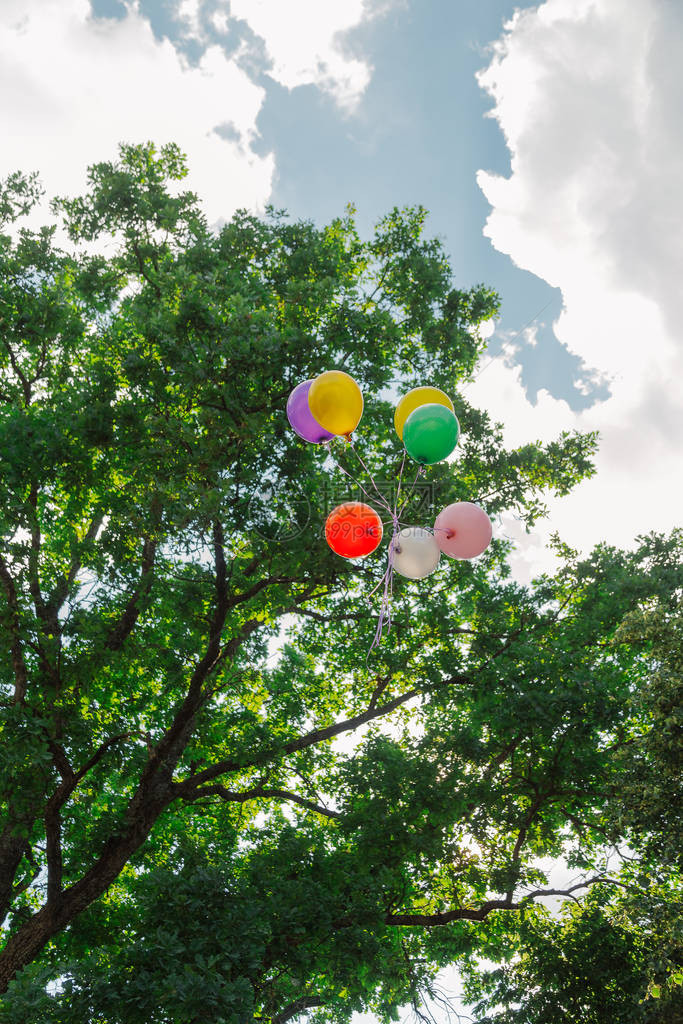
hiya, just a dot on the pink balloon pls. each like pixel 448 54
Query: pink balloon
pixel 463 530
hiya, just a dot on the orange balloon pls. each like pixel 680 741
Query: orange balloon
pixel 353 529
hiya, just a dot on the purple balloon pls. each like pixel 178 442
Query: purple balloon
pixel 301 417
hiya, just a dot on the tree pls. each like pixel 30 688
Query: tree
pixel 607 958
pixel 617 956
pixel 193 830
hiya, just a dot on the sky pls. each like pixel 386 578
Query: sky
pixel 543 138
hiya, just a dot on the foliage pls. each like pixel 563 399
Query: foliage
pixel 195 830
pixel 617 956
pixel 599 961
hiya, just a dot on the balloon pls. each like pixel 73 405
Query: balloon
pixel 416 398
pixel 353 529
pixel 416 553
pixel 430 433
pixel 336 401
pixel 301 418
pixel 463 530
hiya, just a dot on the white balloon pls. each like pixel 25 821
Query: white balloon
pixel 416 553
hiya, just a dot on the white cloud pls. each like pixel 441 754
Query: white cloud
pixel 188 12
pixel 487 328
pixel 302 39
pixel 72 87
pixel 588 97
pixel 220 21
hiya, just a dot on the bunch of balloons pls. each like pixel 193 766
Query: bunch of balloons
pixel 331 405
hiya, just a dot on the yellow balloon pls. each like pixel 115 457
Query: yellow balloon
pixel 336 401
pixel 413 400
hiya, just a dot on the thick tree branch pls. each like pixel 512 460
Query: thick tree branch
pixel 296 1007
pixel 53 843
pixel 447 916
pixel 309 739
pixel 382 683
pixel 260 793
pixel 479 913
pixel 31 877
pixel 12 848
pixel 60 759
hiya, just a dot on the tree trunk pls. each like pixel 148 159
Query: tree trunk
pixel 26 944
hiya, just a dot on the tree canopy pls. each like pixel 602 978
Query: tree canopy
pixel 215 806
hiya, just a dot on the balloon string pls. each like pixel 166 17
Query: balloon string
pixel 387 584
pixel 420 472
pixel 359 484
pixel 400 481
pixel 380 496
pixel 387 580
pixel 386 604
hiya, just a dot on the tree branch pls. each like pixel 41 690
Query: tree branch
pixel 350 617
pixel 309 739
pixel 173 740
pixel 53 841
pixel 524 829
pixel 256 588
pixel 25 386
pixel 479 913
pixel 258 793
pixel 141 266
pixel 123 628
pixel 61 591
pixel 296 1007
pixel 70 781
pixel 12 849
pixel 34 560
pixel 16 650
pixel 447 916
pixel 31 877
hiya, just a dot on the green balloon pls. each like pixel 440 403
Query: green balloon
pixel 430 433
